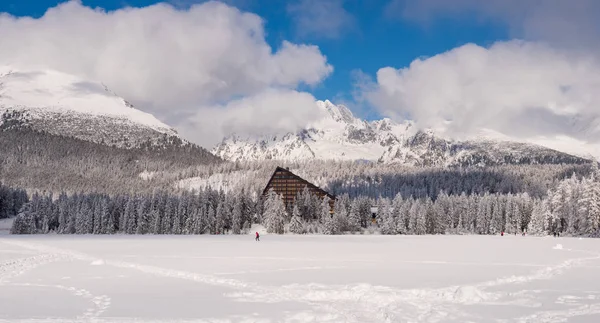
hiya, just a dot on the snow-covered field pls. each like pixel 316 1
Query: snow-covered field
pixel 299 279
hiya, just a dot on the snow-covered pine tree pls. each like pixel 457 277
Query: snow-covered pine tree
pixel 169 216
pixel 387 221
pixel 404 218
pixel 442 210
pixel 237 216
pixel 481 217
pixel 422 213
pixel 130 216
pixel 573 224
pixel 340 213
pixel 537 225
pixel 296 223
pixel 209 223
pixel 398 214
pixel 143 218
pixel 328 224
pixel 108 225
pixel 498 218
pixel 413 214
pixel 97 214
pixel 471 215
pixel 24 223
pixel 63 213
pixel 593 221
pixel 220 219
pixel 354 217
pixel 274 213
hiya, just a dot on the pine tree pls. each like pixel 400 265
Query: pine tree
pixel 340 213
pixel 274 213
pixel 108 225
pixel 397 204
pixel 143 223
pixel 296 224
pixel 413 214
pixel 404 218
pixel 387 222
pixel 237 216
pixel 537 225
pixel 589 206
pixel 328 224
pixel 354 217
pixel 220 219
pixel 421 224
pixel 130 216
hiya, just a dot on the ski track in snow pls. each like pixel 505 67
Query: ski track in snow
pixel 335 303
pixel 16 267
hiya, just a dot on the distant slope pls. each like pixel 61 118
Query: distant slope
pixel 36 160
pixel 425 149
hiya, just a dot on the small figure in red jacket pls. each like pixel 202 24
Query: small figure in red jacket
pixel 257 236
pixel 502 234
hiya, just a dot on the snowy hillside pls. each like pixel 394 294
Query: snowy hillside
pixel 66 105
pixel 425 149
pixel 341 136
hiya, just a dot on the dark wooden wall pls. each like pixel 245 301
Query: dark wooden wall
pixel 288 185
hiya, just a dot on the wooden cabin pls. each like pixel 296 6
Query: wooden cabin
pixel 288 185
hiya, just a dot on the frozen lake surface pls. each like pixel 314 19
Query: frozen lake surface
pixel 299 279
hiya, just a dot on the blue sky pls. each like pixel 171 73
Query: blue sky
pixel 375 36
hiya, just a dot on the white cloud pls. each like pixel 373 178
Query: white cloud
pixel 521 89
pixel 542 89
pixel 320 18
pixel 273 111
pixel 175 60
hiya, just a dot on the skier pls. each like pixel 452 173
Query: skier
pixel 257 236
pixel 502 234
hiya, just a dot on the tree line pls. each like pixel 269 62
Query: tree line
pixel 207 211
pixel 573 207
pixel 376 180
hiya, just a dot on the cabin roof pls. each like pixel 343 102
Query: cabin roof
pixel 309 184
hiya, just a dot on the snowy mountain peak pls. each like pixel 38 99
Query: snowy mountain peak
pixel 342 136
pixel 339 113
pixel 65 104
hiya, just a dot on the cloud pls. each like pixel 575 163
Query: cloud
pixel 320 18
pixel 561 23
pixel 172 61
pixel 538 87
pixel 272 112
pixel 518 88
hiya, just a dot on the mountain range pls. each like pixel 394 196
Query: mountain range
pixel 342 136
pixel 65 105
